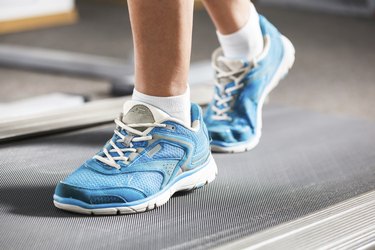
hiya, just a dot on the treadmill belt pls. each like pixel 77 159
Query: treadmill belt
pixel 305 162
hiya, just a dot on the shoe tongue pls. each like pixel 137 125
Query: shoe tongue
pixel 227 65
pixel 139 112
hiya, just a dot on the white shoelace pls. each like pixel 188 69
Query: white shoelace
pixel 134 135
pixel 225 97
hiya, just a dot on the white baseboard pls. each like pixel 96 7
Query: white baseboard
pixel 22 9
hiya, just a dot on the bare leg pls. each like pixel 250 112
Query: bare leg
pixel 228 16
pixel 162 32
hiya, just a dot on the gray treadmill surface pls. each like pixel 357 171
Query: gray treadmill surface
pixel 305 162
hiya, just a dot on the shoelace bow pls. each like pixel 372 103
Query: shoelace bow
pixel 134 135
pixel 225 94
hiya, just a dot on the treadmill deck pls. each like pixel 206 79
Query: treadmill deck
pixel 305 162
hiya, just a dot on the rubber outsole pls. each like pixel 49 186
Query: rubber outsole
pixel 191 182
pixel 285 66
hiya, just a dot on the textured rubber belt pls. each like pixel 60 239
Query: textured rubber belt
pixel 305 162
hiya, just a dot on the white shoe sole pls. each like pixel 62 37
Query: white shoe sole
pixel 193 181
pixel 285 65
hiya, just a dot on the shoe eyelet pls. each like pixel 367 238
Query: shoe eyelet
pixel 171 127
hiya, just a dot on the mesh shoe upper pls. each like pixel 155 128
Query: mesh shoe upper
pixel 231 117
pixel 137 164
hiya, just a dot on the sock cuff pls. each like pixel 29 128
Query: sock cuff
pixel 243 31
pixel 168 103
pixel 245 43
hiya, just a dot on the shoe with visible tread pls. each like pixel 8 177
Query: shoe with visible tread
pixel 150 157
pixel 234 116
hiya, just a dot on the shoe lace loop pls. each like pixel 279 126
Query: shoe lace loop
pixel 133 135
pixel 224 96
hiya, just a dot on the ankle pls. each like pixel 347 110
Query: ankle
pixel 177 106
pixel 247 42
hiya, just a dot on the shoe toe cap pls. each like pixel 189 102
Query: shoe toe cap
pixel 90 186
pixel 229 134
pixel 97 196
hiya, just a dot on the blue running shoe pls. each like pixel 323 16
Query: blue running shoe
pixel 234 116
pixel 150 157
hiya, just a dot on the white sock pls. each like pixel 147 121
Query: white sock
pixel 245 43
pixel 176 106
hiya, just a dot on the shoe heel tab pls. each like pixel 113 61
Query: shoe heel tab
pixel 265 26
pixel 196 112
pixel 196 116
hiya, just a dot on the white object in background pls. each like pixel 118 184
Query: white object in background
pixel 20 9
pixel 39 104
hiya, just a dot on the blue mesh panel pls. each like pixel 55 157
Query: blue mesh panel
pixel 169 152
pixel 148 182
pixel 143 159
pixel 199 141
pixel 169 167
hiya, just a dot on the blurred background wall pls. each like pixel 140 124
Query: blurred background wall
pixel 334 40
pixel 19 15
